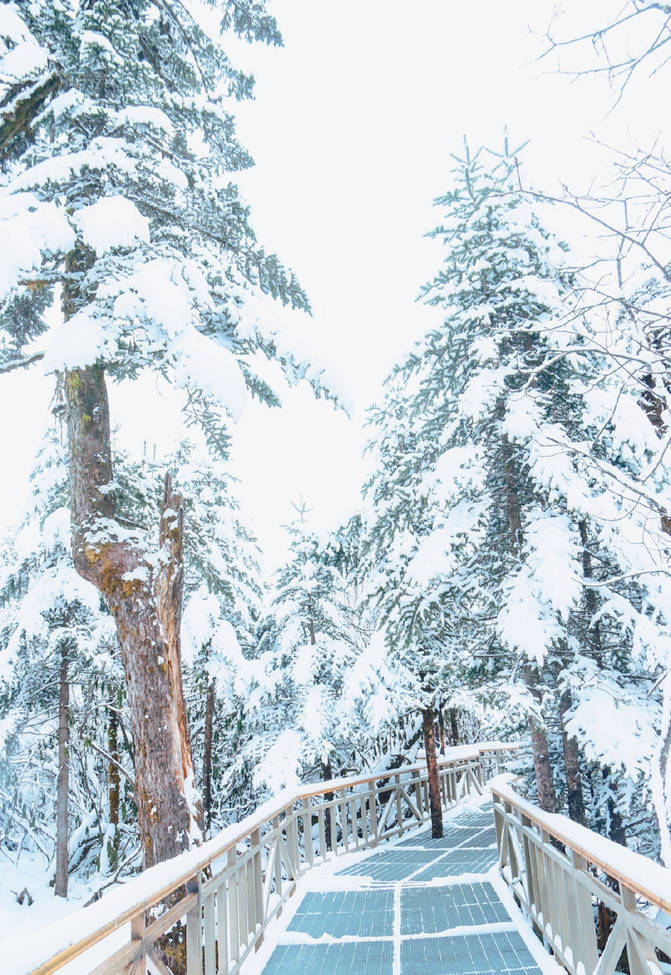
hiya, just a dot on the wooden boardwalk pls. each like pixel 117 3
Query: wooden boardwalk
pixel 417 906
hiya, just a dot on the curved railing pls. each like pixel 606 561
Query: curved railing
pixel 227 891
pixel 590 900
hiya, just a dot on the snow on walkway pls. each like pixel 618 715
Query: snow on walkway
pixel 417 906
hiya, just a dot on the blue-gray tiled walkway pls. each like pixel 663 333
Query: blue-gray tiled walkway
pixel 419 907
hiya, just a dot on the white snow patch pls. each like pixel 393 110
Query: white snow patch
pixel 112 221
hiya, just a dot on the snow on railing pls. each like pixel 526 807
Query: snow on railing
pixel 589 899
pixel 227 891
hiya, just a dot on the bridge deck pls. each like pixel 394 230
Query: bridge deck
pixel 417 906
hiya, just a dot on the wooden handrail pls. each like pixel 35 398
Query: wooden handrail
pixel 634 870
pixel 129 902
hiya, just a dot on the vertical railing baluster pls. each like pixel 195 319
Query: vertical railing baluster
pixel 194 931
pixel 333 826
pixel 278 856
pixel 209 937
pixel 373 812
pixel 399 806
pixel 233 903
pixel 307 832
pixel 322 832
pixel 583 933
pixel 222 928
pixel 258 909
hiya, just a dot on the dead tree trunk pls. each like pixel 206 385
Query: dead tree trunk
pixel 143 589
pixel 207 756
pixel 435 803
pixel 63 778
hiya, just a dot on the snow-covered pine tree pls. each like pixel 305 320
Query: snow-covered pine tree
pixel 61 693
pixel 315 685
pixel 489 491
pixel 422 596
pixel 118 145
pixel 223 602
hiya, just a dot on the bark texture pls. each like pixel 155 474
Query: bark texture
pixel 574 796
pixel 63 778
pixel 435 803
pixel 143 589
pixel 454 727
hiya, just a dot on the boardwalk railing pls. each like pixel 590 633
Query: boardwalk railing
pixel 589 899
pixel 225 893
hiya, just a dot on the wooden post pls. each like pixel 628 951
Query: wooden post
pixel 259 911
pixel 209 935
pixel 399 807
pixel 222 929
pixel 307 832
pixel 234 928
pixel 137 927
pixel 194 931
pixel 373 814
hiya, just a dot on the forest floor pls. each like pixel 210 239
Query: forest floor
pixel 416 906
pixel 33 874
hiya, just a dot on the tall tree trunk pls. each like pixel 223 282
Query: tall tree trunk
pixel 435 803
pixel 114 778
pixel 454 727
pixel 63 778
pixel 574 796
pixel 143 589
pixel 547 797
pixel 441 729
pixel 207 756
pixel 113 785
pixel 614 827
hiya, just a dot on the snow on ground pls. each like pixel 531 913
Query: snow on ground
pixel 22 922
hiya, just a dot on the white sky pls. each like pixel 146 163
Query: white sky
pixel 352 129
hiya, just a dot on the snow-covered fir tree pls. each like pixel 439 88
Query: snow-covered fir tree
pixel 118 146
pixel 485 514
pixel 63 791
pixel 317 693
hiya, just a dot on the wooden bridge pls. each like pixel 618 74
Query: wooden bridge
pixel 508 889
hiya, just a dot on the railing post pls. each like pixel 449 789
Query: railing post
pixel 333 827
pixel 222 928
pixel 372 804
pixel 278 855
pixel 399 807
pixel 194 931
pixel 259 910
pixel 418 795
pixel 137 928
pixel 292 843
pixel 307 832
pixel 584 946
pixel 640 953
pixel 233 913
pixel 209 934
